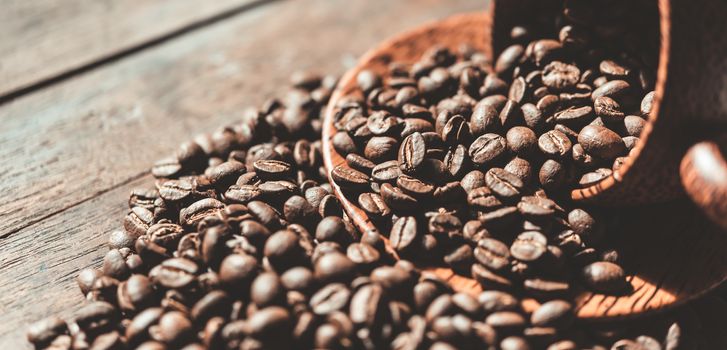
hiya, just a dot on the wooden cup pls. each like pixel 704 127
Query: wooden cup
pixel 686 42
pixel 657 243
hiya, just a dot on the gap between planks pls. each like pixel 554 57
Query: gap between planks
pixel 126 52
pixel 73 205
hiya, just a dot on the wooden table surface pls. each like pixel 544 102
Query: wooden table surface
pixel 92 92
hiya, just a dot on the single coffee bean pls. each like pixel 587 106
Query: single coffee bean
pixel 404 234
pixel 483 198
pixel 396 199
pixel 634 125
pixel 554 313
pixel 511 114
pixel 492 253
pixel 574 117
pixel 508 59
pixel 647 104
pixel 615 89
pixel 269 322
pixel 601 142
pixel 386 172
pixel 529 246
pixel 594 177
pixel 348 178
pixel 484 119
pixel 504 184
pixel 560 76
pixel 555 144
pixel 360 163
pixel 521 140
pixel 472 180
pixel 604 277
pixel 415 187
pixel 608 109
pixel 373 205
pixel 411 153
pixel 487 148
pixel 520 168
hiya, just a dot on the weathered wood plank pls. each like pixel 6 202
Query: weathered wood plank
pixel 62 146
pixel 67 143
pixel 42 39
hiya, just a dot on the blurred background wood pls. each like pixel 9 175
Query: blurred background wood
pixel 44 39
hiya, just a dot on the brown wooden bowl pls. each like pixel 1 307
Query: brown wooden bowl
pixel 658 244
pixel 685 42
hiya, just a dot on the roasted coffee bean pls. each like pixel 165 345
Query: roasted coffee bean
pixel 529 246
pixel 514 343
pixel 225 174
pixel 348 178
pixel 472 180
pixel 608 109
pixel 574 117
pixel 166 168
pixel 373 205
pixel 483 198
pixel 333 267
pixel 386 172
pixel 396 199
pixel 193 214
pixel 457 161
pixel 647 104
pixel 605 277
pixel 404 234
pixel 546 289
pixel 601 142
pixel 521 141
pixel 363 254
pixel 333 229
pixel 484 119
pixel 555 144
pixel 176 273
pixel 456 131
pixel 545 50
pixel 508 59
pixel 559 76
pixel 552 174
pixel 511 114
pixel 487 148
pixel 493 254
pixel 415 187
pixel 503 183
pixel 381 148
pixel 554 313
pixel 411 153
pixel 614 89
pixel 237 271
pixel 594 177
pixel 536 207
pixel 138 221
pixel 43 332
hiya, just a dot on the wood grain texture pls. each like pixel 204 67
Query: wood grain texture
pixel 71 154
pixel 41 39
pixel 658 243
pixel 66 144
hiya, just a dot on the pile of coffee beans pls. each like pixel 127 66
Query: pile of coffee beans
pixel 241 244
pixel 468 165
